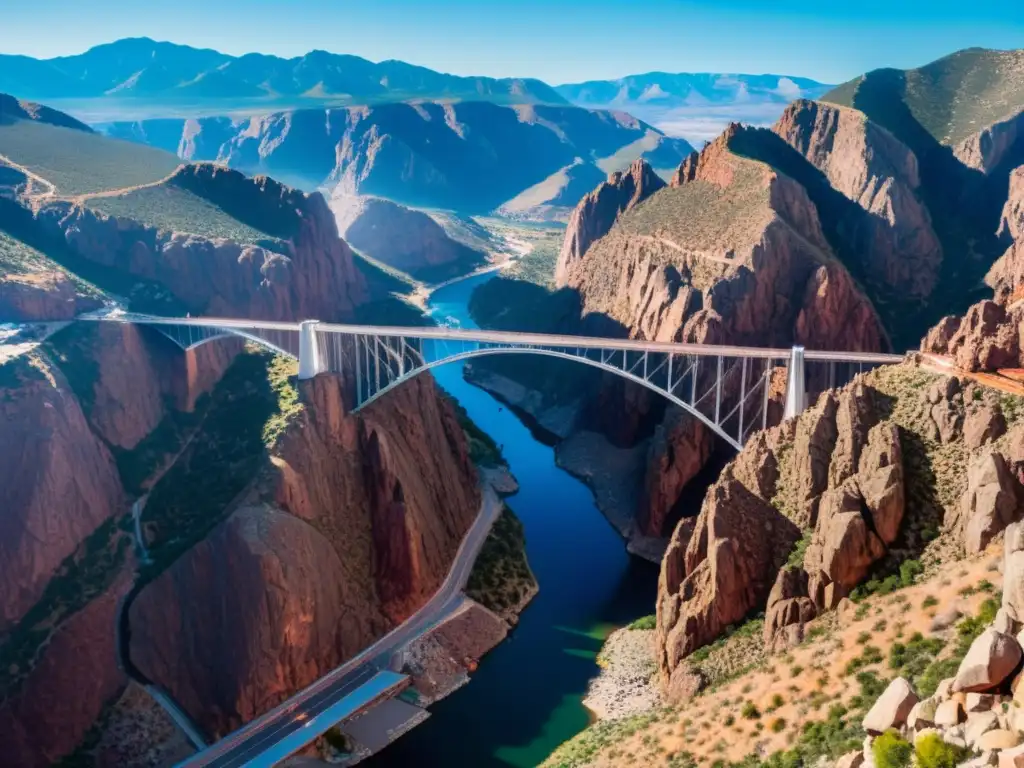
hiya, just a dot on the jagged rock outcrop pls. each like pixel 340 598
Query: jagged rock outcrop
pixel 987 338
pixel 726 567
pixel 733 237
pixel 352 526
pixel 1007 275
pixel 402 238
pixel 75 676
pixel 836 472
pixel 873 169
pixel 595 214
pixel 59 479
pixel 315 277
pixel 992 501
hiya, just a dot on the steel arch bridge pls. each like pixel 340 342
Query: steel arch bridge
pixel 727 388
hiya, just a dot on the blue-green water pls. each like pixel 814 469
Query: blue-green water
pixel 526 697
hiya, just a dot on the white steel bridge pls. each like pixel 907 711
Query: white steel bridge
pixel 727 388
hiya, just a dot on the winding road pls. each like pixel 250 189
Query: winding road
pixel 244 746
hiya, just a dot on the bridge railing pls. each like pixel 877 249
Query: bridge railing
pixel 731 389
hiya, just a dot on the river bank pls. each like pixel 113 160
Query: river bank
pixel 614 475
pixel 627 684
pixel 526 697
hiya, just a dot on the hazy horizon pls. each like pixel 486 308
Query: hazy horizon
pixel 557 41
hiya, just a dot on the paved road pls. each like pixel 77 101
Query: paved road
pixel 510 337
pixel 249 742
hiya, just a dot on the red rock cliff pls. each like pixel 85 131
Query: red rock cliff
pixel 314 278
pixel 351 528
pixel 59 480
pixel 877 172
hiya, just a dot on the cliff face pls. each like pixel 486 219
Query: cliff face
pixel 76 675
pixel 60 482
pixel 990 147
pixel 350 529
pixel 873 169
pixel 1007 274
pixel 731 240
pixel 314 278
pixel 402 238
pixel 595 214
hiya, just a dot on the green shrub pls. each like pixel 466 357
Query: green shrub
pixel 891 751
pixel 929 602
pixel 932 752
pixel 778 724
pixel 750 711
pixel 644 622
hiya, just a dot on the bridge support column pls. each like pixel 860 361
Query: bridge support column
pixel 309 350
pixel 795 395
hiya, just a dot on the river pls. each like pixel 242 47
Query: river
pixel 526 697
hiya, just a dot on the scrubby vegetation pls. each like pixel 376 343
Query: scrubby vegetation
pixel 890 750
pixel 18 258
pixel 84 574
pixel 644 622
pixel 77 162
pixel 169 207
pixel 931 751
pixel 501 577
pixel 482 448
pixel 248 410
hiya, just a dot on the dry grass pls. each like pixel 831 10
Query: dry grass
pixel 713 726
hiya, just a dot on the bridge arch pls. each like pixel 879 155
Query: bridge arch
pixel 725 388
pixel 647 384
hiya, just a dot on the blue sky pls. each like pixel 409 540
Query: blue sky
pixel 555 40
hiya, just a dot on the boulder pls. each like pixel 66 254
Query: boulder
pixel 1013 571
pixel 853 759
pixel 1003 623
pixel 891 709
pixel 948 713
pixel 1012 758
pixel 948 419
pixel 937 339
pixel 979 724
pixel 944 689
pixel 946 618
pixel 998 738
pixel 923 714
pixel 979 702
pixel 983 425
pixel 993 656
pixel 991 502
pixel 789 608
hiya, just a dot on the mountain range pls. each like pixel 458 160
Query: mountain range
pixel 141 68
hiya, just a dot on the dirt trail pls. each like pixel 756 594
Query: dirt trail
pixel 37 198
pixel 1008 380
pixel 689 252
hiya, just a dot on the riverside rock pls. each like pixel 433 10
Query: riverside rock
pixel 729 567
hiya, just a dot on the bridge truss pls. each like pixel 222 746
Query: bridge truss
pixel 727 388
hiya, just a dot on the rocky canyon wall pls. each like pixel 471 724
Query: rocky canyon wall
pixel 350 528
